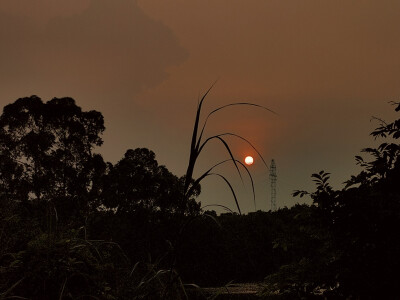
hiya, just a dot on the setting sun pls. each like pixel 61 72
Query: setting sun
pixel 249 160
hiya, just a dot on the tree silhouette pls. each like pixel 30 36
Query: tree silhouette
pixel 357 229
pixel 47 148
pixel 138 182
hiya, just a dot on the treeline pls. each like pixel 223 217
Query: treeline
pixel 355 246
pixel 73 226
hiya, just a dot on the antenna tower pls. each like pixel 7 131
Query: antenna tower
pixel 272 178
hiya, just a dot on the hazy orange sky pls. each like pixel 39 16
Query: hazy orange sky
pixel 325 67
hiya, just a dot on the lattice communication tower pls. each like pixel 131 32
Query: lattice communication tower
pixel 272 179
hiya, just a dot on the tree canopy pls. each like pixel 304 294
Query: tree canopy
pixel 138 182
pixel 46 151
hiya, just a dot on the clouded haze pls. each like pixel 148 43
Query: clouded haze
pixel 325 67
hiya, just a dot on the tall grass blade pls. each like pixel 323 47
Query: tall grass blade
pixel 232 190
pixel 247 170
pixel 252 184
pixel 62 289
pixel 3 295
pixel 248 142
pixel 193 152
pixel 219 205
pixel 197 146
pixel 227 105
pixel 214 219
pixel 205 174
pixel 226 147
pixel 134 268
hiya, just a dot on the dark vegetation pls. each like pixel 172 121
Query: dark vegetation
pixel 73 226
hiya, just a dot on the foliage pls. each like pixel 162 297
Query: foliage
pixel 359 241
pixel 66 215
pixel 54 190
pixel 138 181
pixel 46 155
pixel 77 268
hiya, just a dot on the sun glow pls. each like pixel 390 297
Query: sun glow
pixel 249 160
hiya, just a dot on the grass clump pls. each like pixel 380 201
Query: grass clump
pixel 198 144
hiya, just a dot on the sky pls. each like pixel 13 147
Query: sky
pixel 325 68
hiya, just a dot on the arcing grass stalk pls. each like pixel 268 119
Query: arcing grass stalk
pixel 197 145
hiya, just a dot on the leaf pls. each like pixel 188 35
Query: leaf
pixel 197 146
pixel 11 288
pixel 193 148
pixel 219 205
pixel 232 104
pixel 325 179
pixel 231 188
pixel 318 176
pixel 62 289
pixel 214 219
pixel 250 144
pixel 359 158
pixel 300 193
pixel 226 147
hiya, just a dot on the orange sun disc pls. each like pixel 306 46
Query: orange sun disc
pixel 249 160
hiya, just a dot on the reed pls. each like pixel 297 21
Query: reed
pixel 198 144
